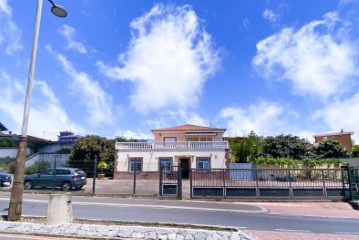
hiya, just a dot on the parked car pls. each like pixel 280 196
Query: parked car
pixel 65 178
pixel 5 179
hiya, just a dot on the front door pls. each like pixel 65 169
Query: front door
pixel 185 166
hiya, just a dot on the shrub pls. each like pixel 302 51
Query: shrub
pixel 102 165
pixel 11 167
pixel 268 160
pixel 38 167
pixel 64 151
pixel 355 151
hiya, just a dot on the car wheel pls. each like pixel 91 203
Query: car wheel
pixel 79 187
pixel 28 185
pixel 66 186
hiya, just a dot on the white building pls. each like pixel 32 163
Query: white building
pixel 188 146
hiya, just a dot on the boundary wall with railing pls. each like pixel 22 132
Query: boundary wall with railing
pixel 270 183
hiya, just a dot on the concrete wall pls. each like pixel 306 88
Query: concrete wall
pixel 10 152
pixel 50 158
pixel 54 147
pixel 181 137
pixel 353 162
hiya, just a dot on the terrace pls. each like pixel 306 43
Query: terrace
pixel 173 145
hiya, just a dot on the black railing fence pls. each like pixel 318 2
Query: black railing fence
pixel 283 183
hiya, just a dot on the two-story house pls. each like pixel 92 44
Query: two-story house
pixel 344 138
pixel 187 146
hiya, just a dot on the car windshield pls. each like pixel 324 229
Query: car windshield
pixel 48 172
pixel 79 171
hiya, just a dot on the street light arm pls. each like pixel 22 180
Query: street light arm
pixel 53 4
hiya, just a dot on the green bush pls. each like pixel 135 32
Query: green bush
pixel 11 167
pixel 38 167
pixel 64 151
pixel 311 163
pixel 355 151
pixel 282 162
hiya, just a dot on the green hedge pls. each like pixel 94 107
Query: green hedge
pixel 292 163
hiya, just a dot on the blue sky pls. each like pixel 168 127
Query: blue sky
pixel 121 68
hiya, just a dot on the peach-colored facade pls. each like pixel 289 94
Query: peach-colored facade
pixel 188 146
pixel 344 138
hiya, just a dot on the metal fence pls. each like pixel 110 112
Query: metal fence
pixel 270 183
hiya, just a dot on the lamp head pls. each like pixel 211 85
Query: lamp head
pixel 58 11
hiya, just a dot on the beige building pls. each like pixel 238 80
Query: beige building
pixel 344 138
pixel 188 146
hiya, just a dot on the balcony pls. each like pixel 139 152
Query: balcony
pixel 172 145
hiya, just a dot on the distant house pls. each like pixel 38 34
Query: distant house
pixel 344 138
pixel 188 146
pixel 68 136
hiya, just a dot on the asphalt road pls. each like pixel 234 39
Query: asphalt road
pixel 184 212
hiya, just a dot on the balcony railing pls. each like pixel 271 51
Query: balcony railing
pixel 173 145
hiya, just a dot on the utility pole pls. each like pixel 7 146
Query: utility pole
pixel 17 190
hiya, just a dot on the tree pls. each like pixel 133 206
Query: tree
pixel 283 146
pixel 85 149
pixel 2 127
pixel 247 149
pixel 331 149
pixel 355 151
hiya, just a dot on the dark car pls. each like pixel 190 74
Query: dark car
pixel 65 178
pixel 5 179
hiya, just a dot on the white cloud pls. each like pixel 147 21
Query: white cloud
pixel 97 102
pixel 46 119
pixel 264 118
pixel 341 114
pixel 174 118
pixel 314 59
pixel 4 7
pixel 10 34
pixel 132 135
pixel 69 34
pixel 270 15
pixel 168 60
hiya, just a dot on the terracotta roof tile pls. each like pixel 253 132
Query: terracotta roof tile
pixel 188 128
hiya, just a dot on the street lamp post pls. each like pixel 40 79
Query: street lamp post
pixel 15 206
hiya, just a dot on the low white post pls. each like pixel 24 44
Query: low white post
pixel 59 210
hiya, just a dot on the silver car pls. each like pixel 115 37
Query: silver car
pixel 65 178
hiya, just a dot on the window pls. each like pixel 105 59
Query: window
pixel 203 163
pixel 169 141
pixel 166 164
pixel 62 172
pixel 48 172
pixel 135 163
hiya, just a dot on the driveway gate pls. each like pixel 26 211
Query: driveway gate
pixel 270 183
pixel 170 182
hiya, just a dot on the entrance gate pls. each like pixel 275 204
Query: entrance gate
pixel 354 183
pixel 171 182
